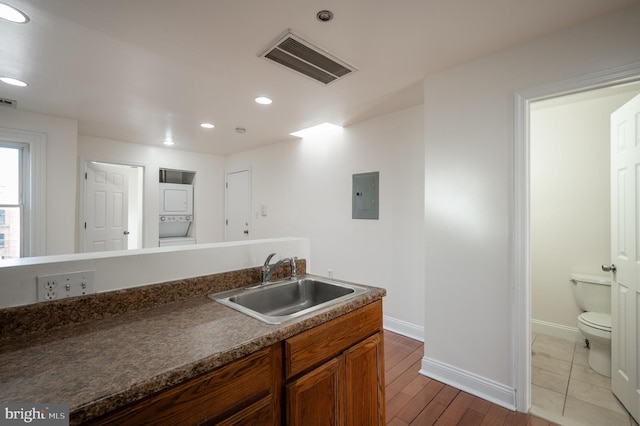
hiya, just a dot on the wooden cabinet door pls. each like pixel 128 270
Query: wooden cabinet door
pixel 317 398
pixel 364 385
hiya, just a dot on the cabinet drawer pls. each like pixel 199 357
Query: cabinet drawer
pixel 319 344
pixel 213 395
pixel 262 412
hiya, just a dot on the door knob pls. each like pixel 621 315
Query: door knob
pixel 126 232
pixel 246 231
pixel 608 268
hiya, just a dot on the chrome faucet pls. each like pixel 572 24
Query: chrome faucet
pixel 292 263
pixel 267 270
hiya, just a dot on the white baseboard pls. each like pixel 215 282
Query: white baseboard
pixel 556 330
pixel 404 328
pixel 481 387
pixel 469 382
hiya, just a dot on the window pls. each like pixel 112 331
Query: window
pixel 1 244
pixel 22 193
pixel 11 183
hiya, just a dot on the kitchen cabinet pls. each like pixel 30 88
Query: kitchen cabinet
pixel 245 391
pixel 317 398
pixel 331 374
pixel 335 372
pixel 364 368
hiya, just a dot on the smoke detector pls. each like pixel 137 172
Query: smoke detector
pixel 297 54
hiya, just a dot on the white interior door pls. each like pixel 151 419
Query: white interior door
pixel 238 206
pixel 625 254
pixel 106 207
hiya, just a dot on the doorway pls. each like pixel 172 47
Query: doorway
pixel 238 205
pixel 570 233
pixel 111 207
pixel 521 210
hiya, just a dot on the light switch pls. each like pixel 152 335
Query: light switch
pixel 263 209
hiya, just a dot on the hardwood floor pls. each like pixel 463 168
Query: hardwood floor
pixel 413 399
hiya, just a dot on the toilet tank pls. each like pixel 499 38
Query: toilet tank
pixel 592 292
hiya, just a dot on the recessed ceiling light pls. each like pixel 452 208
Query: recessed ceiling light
pixel 12 14
pixel 168 142
pixel 13 81
pixel 263 100
pixel 324 15
pixel 207 125
pixel 319 130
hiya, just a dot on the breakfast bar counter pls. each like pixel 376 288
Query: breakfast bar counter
pixel 99 365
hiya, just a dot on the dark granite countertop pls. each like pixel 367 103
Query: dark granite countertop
pixel 99 365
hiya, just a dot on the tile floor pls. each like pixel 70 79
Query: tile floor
pixel 565 390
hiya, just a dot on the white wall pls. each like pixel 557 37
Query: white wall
pixel 64 148
pixel 306 185
pixel 132 268
pixel 469 198
pixel 208 223
pixel 570 209
pixel 61 145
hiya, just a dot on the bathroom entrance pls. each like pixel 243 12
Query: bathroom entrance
pixel 625 252
pixel 570 232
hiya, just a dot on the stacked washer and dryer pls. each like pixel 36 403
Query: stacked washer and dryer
pixel 176 214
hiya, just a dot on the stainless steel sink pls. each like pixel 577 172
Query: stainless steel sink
pixel 279 302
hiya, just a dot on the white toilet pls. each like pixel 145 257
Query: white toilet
pixel 593 295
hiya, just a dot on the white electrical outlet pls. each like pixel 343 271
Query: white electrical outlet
pixel 60 286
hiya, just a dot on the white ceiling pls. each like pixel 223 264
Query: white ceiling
pixel 142 70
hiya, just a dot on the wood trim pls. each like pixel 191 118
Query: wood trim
pixel 277 382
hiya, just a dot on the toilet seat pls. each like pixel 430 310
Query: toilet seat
pixel 596 320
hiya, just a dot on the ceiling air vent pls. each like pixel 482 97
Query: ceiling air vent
pixel 303 57
pixel 8 102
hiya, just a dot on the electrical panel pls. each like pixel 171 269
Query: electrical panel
pixel 364 196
